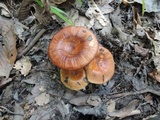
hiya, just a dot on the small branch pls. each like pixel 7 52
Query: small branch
pixel 4 109
pixel 31 44
pixel 155 92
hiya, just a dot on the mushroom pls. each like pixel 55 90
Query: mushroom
pixel 74 79
pixel 101 68
pixel 73 47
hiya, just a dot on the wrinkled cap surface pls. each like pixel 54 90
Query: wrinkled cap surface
pixel 74 79
pixel 73 47
pixel 101 68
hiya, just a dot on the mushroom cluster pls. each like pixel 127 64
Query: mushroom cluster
pixel 76 51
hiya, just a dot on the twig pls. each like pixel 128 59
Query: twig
pixel 32 43
pixel 155 92
pixel 8 111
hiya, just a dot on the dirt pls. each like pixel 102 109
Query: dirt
pixel 38 94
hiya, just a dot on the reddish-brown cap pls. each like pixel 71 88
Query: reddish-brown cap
pixel 101 68
pixel 74 79
pixel 73 47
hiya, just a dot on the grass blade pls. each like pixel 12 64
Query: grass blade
pixel 58 12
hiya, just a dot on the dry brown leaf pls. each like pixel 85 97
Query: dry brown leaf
pixel 8 51
pixel 23 65
pixel 155 75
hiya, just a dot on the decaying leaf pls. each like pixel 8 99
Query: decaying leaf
pixel 95 14
pixel 4 81
pixel 19 110
pixel 116 20
pixel 150 5
pixel 111 105
pixel 99 110
pixel 19 29
pixel 153 117
pixel 155 75
pixel 156 57
pixel 23 65
pixel 42 99
pixel 8 51
pixel 57 1
pixel 4 10
pixel 63 109
pixel 81 100
pixel 24 9
pixel 142 51
pixel 128 110
pixel 77 19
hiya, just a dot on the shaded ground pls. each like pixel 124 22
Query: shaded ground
pixel 132 93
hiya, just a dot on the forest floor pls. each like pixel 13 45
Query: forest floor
pixel 30 86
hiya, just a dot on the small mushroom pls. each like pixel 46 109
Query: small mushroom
pixel 73 47
pixel 101 68
pixel 74 79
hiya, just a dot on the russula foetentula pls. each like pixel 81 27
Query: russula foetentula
pixel 76 51
pixel 101 68
pixel 74 79
pixel 73 47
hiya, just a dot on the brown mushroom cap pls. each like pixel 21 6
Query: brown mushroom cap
pixel 73 47
pixel 74 80
pixel 101 68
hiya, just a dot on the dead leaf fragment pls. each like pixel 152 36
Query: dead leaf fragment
pixel 8 51
pixel 4 10
pixel 42 99
pixel 4 81
pixel 142 51
pixel 19 110
pixel 111 105
pixel 57 1
pixel 93 100
pixel 23 65
pixel 155 75
pixel 81 100
pixel 128 110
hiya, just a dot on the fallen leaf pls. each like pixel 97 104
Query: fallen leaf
pixel 128 110
pixel 99 20
pixel 19 29
pixel 93 100
pixel 5 11
pixel 23 65
pixel 149 99
pixel 8 51
pixel 81 100
pixel 18 110
pixel 63 109
pixel 77 19
pixel 155 75
pixel 111 105
pixel 42 99
pixel 153 117
pixel 4 81
pixel 142 51
pixel 150 5
pixel 99 110
pixel 58 1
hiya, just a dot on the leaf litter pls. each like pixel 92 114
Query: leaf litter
pixel 8 51
pixel 38 92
